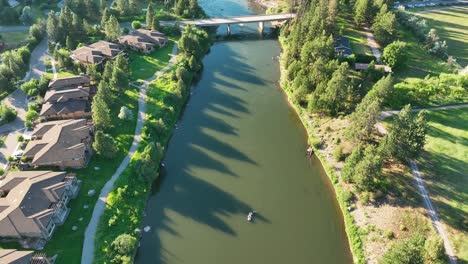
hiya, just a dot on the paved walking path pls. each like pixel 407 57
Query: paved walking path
pixel 421 186
pixel 87 255
pixel 373 45
pixel 432 212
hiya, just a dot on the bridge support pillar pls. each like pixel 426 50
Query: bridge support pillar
pixel 229 29
pixel 261 26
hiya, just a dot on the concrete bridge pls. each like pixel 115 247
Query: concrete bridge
pixel 211 22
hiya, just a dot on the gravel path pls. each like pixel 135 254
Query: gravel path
pixel 374 46
pixel 420 183
pixel 87 255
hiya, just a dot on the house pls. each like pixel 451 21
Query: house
pixel 96 53
pixel 13 256
pixel 70 82
pixel 33 203
pixel 342 47
pixel 62 143
pixel 364 66
pixel 67 99
pixel 144 40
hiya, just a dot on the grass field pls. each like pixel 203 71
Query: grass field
pixel 420 63
pixel 65 242
pixel 356 36
pixel 452 25
pixel 14 38
pixel 444 167
pixel 144 66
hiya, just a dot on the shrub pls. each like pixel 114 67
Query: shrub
pixel 338 153
pixel 316 143
pixel 434 251
pixel 347 197
pixel 389 234
pixel 365 197
pixel 125 113
pixel 394 55
pixel 407 251
pixel 124 244
pixel 136 24
pixel 6 113
pixel 2 171
pixel 20 138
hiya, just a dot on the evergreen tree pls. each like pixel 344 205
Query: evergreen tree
pixel 155 24
pixel 104 93
pixel 368 171
pixel 119 80
pixel 408 134
pixel 107 74
pixel 101 114
pixel 112 28
pixel 334 98
pixel 384 27
pixel 69 43
pixel 93 73
pixel 105 17
pixel 367 112
pixel 104 144
pixel 149 16
pixel 147 165
pixel 123 6
pixel 361 11
pixel 53 30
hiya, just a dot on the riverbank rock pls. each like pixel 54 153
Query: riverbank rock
pixel 91 192
pixel 147 229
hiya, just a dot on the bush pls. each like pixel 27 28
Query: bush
pixel 338 153
pixel 362 58
pixel 389 234
pixel 365 197
pixel 407 251
pixel 347 197
pixel 434 251
pixel 136 25
pixel 316 143
pixel 20 138
pixel 7 114
pixel 125 113
pixel 31 88
pixel 394 55
pixel 124 244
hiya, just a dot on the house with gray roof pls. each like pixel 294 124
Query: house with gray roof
pixel 33 203
pixel 61 143
pixel 13 256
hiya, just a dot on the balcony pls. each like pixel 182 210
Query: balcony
pixel 60 212
pixel 72 185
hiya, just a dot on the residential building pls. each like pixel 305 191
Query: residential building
pixel 342 47
pixel 62 143
pixel 82 80
pixel 13 256
pixel 380 67
pixel 144 40
pixel 33 203
pixel 96 53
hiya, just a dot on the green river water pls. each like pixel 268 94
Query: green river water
pixel 240 147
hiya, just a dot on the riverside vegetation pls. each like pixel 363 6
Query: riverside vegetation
pixel 340 108
pixel 119 227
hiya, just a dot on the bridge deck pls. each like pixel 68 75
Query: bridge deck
pixel 235 20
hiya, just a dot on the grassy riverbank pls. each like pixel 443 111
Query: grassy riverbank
pixel 165 99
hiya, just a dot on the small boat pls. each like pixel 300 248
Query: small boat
pixel 250 216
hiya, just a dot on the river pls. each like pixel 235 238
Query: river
pixel 239 147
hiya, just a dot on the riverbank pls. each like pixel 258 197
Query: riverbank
pixel 353 231
pixel 121 220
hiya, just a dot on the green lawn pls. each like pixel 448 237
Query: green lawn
pixel 61 74
pixel 65 242
pixel 356 36
pixel 444 167
pixel 452 25
pixel 420 63
pixel 15 38
pixel 144 66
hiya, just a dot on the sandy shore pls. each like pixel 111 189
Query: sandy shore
pixel 267 3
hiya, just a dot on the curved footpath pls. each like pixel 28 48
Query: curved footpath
pixel 420 183
pixel 87 255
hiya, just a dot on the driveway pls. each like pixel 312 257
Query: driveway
pixel 13 28
pixel 18 100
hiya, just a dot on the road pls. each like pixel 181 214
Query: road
pixel 18 100
pixel 372 43
pixel 87 255
pixel 13 28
